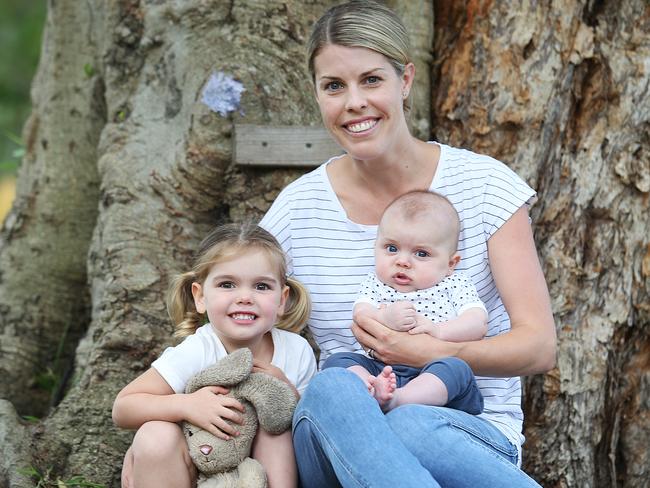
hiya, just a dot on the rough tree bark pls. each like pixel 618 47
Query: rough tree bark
pixel 560 91
pixel 126 169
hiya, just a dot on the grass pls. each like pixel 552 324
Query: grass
pixel 48 480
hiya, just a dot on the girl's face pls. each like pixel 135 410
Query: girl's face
pixel 242 296
pixel 361 96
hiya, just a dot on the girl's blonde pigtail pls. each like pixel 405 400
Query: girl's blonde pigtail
pixel 181 308
pixel 297 309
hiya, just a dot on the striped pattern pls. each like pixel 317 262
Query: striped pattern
pixel 332 255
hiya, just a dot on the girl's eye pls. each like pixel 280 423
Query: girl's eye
pixel 391 248
pixel 421 254
pixel 226 284
pixel 262 286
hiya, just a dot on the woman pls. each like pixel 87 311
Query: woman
pixel 326 221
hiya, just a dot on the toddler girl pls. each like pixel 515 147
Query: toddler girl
pixel 239 281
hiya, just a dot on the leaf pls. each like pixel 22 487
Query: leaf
pixel 89 70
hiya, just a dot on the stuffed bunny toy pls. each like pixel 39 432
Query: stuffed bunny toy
pixel 268 402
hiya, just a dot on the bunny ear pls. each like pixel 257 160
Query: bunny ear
pixel 228 371
pixel 273 400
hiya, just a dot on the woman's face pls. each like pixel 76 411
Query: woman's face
pixel 361 96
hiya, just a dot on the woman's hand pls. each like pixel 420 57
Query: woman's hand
pixel 394 347
pixel 209 408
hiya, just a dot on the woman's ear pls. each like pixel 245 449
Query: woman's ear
pixel 408 76
pixel 199 299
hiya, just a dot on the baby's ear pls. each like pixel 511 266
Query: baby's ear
pixel 453 262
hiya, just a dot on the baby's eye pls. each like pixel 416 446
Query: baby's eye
pixel 391 248
pixel 190 433
pixel 262 286
pixel 226 284
pixel 421 254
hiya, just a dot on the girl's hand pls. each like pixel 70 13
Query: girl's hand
pixel 209 408
pixel 394 347
pixel 268 368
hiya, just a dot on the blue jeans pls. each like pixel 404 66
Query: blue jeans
pixel 342 438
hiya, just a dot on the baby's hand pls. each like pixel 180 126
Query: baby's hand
pixel 400 316
pixel 425 326
pixel 209 408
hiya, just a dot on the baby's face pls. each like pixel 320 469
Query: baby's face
pixel 412 255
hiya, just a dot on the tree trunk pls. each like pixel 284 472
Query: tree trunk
pixel 560 92
pixel 127 168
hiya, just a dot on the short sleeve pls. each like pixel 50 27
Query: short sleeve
pixel 308 368
pixel 277 221
pixel 368 292
pixel 178 364
pixel 463 294
pixel 504 193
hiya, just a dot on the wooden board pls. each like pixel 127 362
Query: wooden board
pixel 265 145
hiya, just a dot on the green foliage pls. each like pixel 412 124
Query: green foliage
pixel 10 165
pixel 47 479
pixel 89 70
pixel 21 26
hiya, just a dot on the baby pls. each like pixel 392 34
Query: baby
pixel 414 288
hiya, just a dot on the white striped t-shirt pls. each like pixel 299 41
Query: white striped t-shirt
pixel 332 255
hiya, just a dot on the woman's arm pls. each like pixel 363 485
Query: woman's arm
pixel 528 348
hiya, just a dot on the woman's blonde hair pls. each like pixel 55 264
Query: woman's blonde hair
pixel 223 243
pixel 362 23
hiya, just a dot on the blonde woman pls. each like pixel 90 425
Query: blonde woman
pixel 327 220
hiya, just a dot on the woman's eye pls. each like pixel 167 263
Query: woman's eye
pixel 333 86
pixel 372 80
pixel 391 248
pixel 421 254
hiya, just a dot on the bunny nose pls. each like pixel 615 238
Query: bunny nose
pixel 205 449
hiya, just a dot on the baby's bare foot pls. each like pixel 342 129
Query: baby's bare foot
pixel 383 387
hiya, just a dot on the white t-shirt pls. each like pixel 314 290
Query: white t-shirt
pixel 331 255
pixel 291 353
pixel 443 301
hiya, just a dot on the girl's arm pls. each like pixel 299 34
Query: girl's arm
pixel 471 325
pixel 149 397
pixel 528 348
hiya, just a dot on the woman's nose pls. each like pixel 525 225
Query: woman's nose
pixel 356 99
